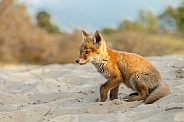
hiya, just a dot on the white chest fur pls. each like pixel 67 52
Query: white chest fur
pixel 101 67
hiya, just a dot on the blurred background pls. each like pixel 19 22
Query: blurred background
pixel 45 31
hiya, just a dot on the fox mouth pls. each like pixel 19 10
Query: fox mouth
pixel 82 63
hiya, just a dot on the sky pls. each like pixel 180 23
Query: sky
pixel 94 15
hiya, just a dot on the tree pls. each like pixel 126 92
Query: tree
pixel 108 30
pixel 147 20
pixel 43 20
pixel 174 17
pixel 127 25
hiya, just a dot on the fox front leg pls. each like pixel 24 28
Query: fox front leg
pixel 110 84
pixel 114 93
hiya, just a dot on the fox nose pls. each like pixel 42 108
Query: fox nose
pixel 77 61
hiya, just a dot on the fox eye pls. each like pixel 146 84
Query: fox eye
pixel 87 52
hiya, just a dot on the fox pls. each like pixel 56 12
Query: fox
pixel 135 71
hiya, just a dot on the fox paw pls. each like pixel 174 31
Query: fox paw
pixel 128 99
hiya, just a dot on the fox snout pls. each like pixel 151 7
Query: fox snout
pixel 77 61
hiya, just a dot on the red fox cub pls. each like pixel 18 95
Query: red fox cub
pixel 118 67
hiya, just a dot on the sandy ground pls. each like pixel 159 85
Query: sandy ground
pixel 68 93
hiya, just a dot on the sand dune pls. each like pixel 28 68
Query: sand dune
pixel 68 93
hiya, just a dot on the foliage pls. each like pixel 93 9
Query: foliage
pixel 23 42
pixel 128 25
pixel 174 16
pixel 43 20
pixel 145 43
pixel 108 31
pixel 147 21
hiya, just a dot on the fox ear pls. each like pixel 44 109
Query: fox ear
pixel 84 35
pixel 97 37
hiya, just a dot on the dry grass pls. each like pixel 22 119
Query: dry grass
pixel 147 44
pixel 23 42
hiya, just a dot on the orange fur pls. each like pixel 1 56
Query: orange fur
pixel 121 67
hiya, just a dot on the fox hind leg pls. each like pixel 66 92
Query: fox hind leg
pixel 138 85
pixel 131 95
pixel 143 94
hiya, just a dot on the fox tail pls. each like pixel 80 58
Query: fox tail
pixel 161 91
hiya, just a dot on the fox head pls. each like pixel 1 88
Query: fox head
pixel 92 49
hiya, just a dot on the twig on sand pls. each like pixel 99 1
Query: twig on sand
pixel 33 73
pixel 47 112
pixel 168 109
pixel 83 92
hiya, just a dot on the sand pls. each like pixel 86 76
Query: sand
pixel 69 93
